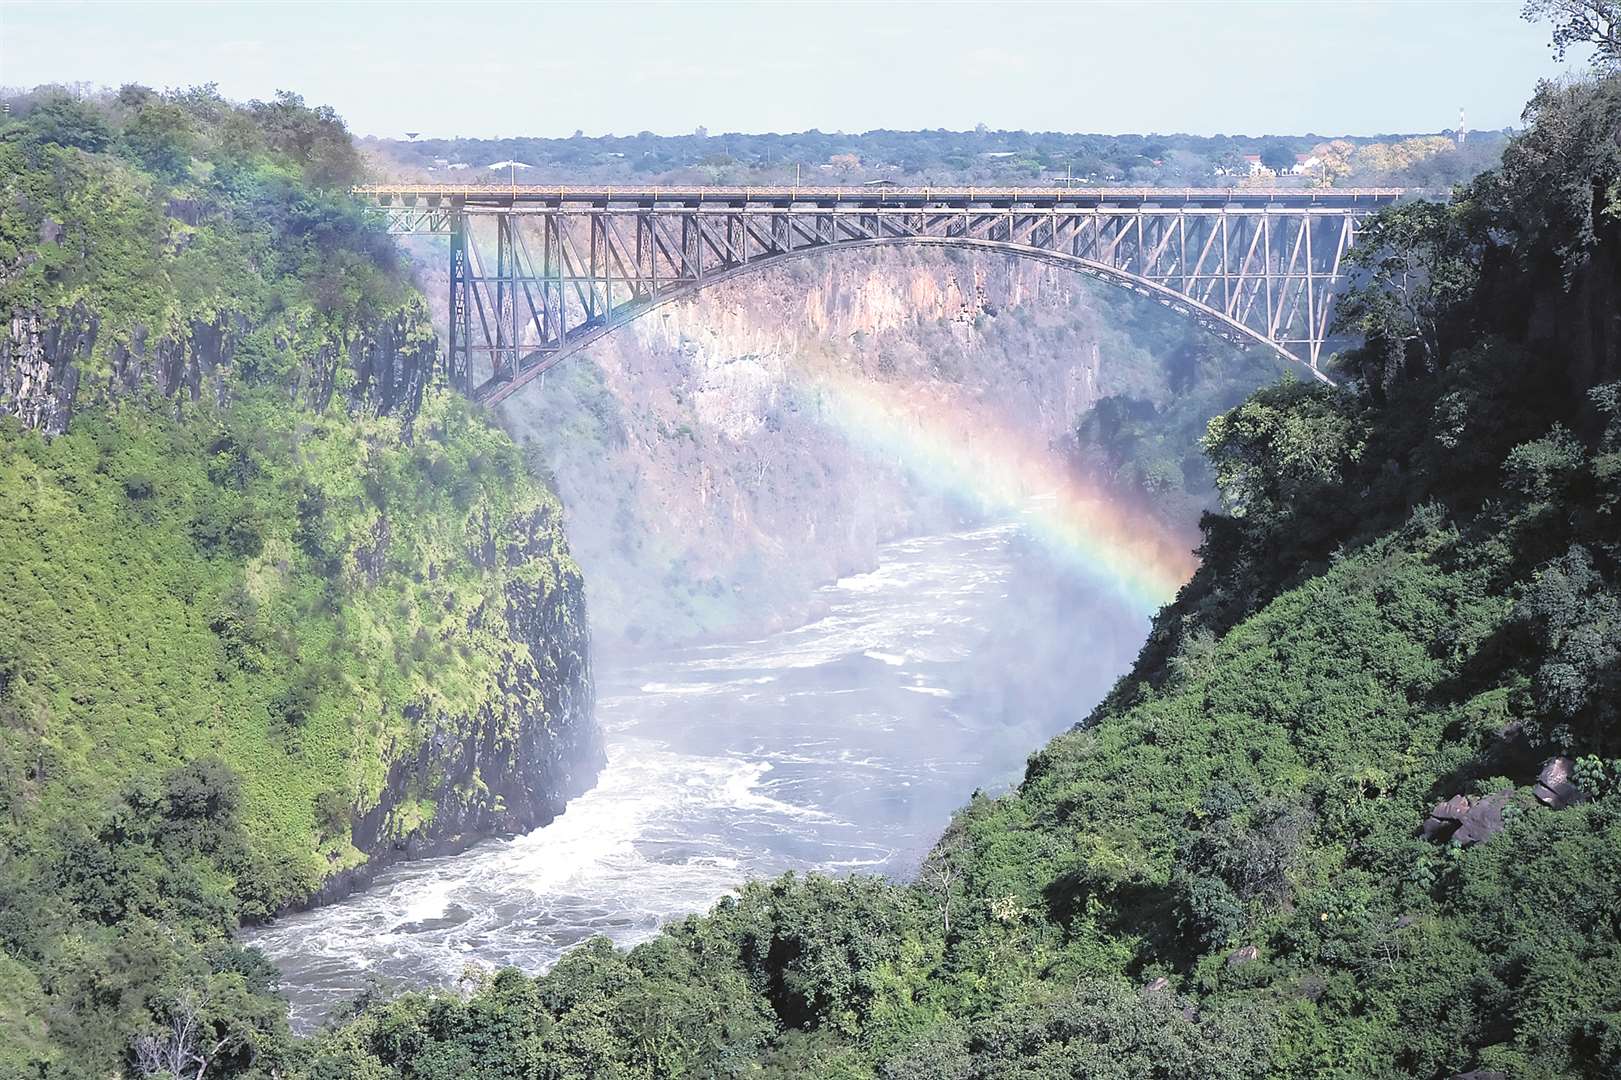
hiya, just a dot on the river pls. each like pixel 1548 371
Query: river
pixel 841 746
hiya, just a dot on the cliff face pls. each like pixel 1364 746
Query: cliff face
pixel 506 747
pixel 711 485
pixel 513 763
pixel 275 609
pixel 49 364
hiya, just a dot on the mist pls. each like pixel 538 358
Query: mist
pixel 853 549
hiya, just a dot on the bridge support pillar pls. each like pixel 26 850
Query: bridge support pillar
pixel 504 354
pixel 458 359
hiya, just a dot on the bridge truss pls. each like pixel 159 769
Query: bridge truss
pixel 537 274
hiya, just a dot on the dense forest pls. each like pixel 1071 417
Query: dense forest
pixel 265 590
pixel 1432 162
pixel 1355 812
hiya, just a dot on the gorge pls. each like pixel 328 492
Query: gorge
pixel 890 665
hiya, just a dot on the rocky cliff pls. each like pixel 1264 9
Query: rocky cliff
pixel 275 609
pixel 512 763
pixel 502 754
pixel 709 488
pixel 50 364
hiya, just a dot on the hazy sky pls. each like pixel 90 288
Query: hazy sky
pixel 482 68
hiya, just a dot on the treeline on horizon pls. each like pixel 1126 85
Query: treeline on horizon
pixel 982 156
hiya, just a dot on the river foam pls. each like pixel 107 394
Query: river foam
pixel 838 746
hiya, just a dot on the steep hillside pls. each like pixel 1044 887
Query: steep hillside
pixel 273 609
pixel 1356 813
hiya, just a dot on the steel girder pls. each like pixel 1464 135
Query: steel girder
pixel 531 284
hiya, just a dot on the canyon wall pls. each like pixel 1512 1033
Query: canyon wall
pixel 710 491
pixel 389 634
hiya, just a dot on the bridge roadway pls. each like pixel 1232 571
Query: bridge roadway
pixel 877 195
pixel 1259 266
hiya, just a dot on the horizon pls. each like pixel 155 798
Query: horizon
pixel 1479 56
pixel 841 133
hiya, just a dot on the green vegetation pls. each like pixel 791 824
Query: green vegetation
pixel 1414 592
pixel 261 562
pixel 1141 443
pixel 981 157
pixel 261 567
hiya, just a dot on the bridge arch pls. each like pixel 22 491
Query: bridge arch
pixel 493 391
pixel 570 265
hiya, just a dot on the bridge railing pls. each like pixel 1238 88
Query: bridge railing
pixel 702 193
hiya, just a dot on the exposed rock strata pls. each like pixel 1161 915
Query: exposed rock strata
pixel 50 364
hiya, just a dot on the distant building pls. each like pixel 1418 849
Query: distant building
pixel 458 165
pixel 441 163
pixel 1000 154
pixel 508 165
pixel 879 183
pixel 1256 167
pixel 1305 163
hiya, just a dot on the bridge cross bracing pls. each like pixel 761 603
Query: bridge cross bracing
pixel 537 274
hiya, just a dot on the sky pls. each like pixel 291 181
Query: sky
pixel 482 69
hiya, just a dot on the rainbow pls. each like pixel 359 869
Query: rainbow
pixel 1005 472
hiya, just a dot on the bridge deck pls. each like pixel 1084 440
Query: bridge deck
pixel 508 195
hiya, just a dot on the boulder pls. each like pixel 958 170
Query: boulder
pixel 1158 986
pixel 1436 829
pixel 1446 816
pixel 1479 1074
pixel 1484 819
pixel 1454 809
pixel 1555 788
pixel 1240 957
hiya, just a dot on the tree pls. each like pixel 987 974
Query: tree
pixel 1333 160
pixel 221 1025
pixel 68 121
pixel 315 138
pixel 1412 263
pixel 1283 448
pixel 1581 22
pixel 158 132
pixel 1277 156
pixel 941 872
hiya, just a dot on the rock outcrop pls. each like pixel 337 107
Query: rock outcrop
pixel 1240 957
pixel 53 363
pixel 1555 787
pixel 1446 816
pixel 1467 821
pixel 1484 819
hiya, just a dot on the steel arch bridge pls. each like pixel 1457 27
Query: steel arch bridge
pixel 538 273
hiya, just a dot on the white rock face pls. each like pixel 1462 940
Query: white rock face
pixel 705 487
